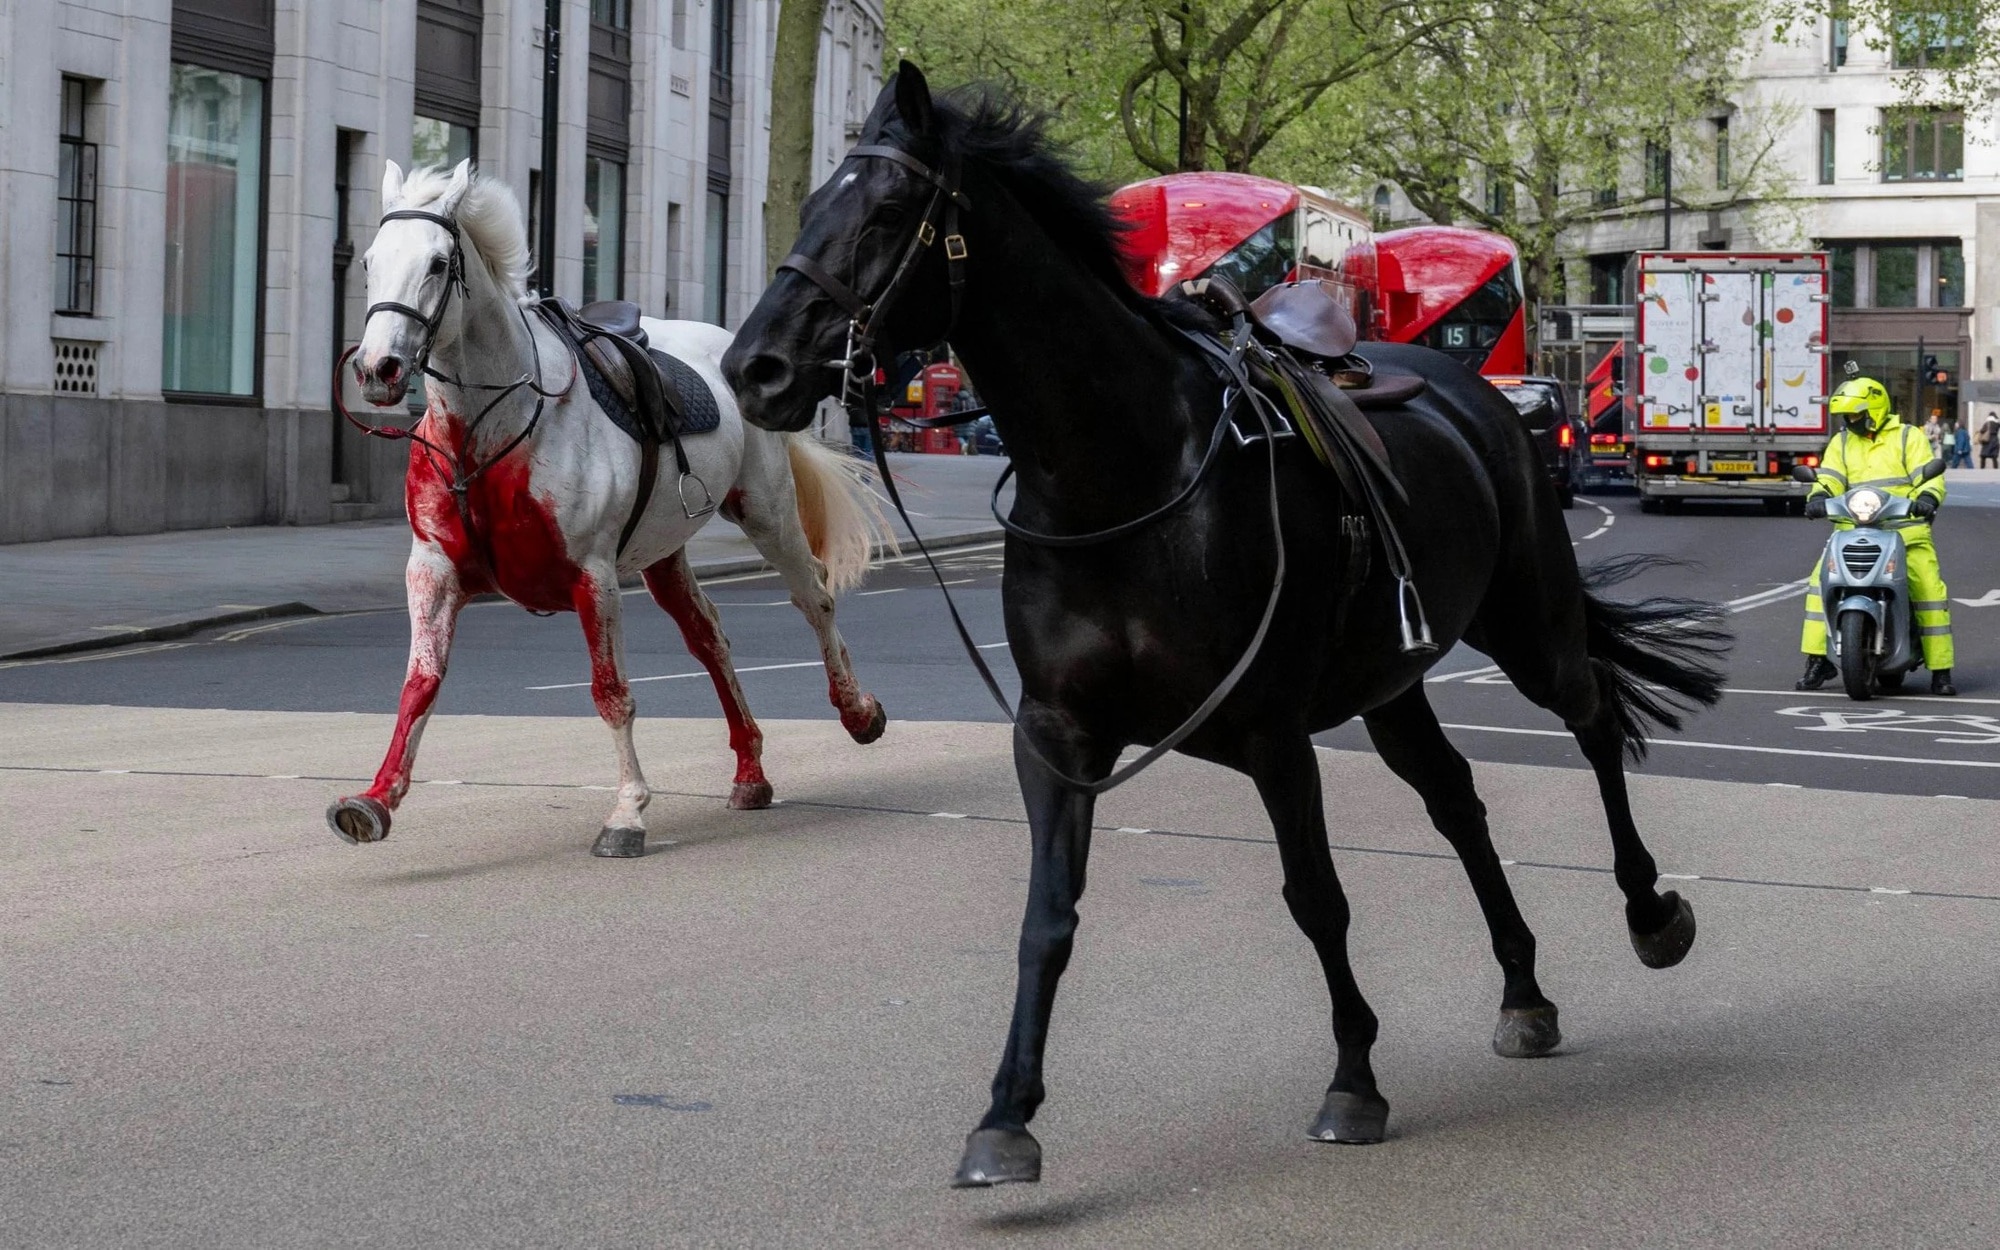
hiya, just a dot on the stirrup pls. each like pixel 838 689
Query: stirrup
pixel 1417 640
pixel 707 498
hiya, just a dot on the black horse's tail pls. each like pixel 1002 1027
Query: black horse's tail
pixel 1663 654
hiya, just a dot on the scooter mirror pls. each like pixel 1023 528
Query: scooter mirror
pixel 1934 469
pixel 1800 473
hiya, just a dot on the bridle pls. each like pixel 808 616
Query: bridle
pixel 857 379
pixel 857 365
pixel 450 464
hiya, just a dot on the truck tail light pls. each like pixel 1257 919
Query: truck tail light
pixel 1810 462
pixel 1693 466
pixel 1774 466
pixel 1565 438
pixel 1604 440
pixel 1657 462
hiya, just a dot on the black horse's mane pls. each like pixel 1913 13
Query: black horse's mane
pixel 986 124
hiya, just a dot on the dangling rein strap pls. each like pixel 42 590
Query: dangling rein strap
pixel 1200 715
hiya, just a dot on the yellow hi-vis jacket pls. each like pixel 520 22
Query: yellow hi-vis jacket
pixel 1889 462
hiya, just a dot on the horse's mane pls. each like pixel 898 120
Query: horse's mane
pixel 489 216
pixel 985 124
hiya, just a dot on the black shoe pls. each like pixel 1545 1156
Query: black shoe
pixel 1819 671
pixel 1941 683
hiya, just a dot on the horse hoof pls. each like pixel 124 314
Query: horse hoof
pixel 750 796
pixel 1669 944
pixel 1351 1119
pixel 1526 1032
pixel 998 1156
pixel 358 819
pixel 877 722
pixel 619 843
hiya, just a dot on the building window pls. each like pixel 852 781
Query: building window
pixel 1948 275
pixel 603 229
pixel 1895 269
pixel 1499 195
pixel 679 22
pixel 1842 259
pixel 1659 162
pixel 1923 145
pixel 215 180
pixel 616 14
pixel 1607 279
pixel 1836 48
pixel 1381 213
pixel 1722 152
pixel 715 259
pixel 76 206
pixel 1826 147
pixel 434 141
pixel 1928 41
pixel 445 130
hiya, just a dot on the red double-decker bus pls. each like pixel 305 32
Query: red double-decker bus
pixel 1452 289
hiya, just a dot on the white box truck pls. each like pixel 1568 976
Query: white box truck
pixel 1730 375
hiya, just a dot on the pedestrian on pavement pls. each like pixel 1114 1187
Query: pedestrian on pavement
pixel 1961 446
pixel 1876 449
pixel 1989 442
pixel 1934 431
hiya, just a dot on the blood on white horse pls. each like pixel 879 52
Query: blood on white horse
pixel 540 523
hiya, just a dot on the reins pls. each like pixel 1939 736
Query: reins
pixel 858 368
pixel 449 464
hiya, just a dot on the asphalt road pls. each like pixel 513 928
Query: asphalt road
pixel 221 1027
pixel 506 662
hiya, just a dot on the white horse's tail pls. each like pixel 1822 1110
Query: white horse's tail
pixel 841 515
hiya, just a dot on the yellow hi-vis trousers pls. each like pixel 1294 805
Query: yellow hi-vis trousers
pixel 1927 588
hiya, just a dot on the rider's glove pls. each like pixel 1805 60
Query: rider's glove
pixel 1816 508
pixel 1924 506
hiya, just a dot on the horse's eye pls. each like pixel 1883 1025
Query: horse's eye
pixel 437 265
pixel 891 214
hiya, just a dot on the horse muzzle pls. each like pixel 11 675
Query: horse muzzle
pixel 384 379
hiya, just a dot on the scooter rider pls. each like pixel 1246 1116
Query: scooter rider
pixel 1876 449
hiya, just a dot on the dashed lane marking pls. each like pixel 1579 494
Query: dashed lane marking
pixel 633 681
pixel 1021 822
pixel 1610 519
pixel 1738 746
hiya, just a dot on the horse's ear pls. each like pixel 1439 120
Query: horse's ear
pixel 461 182
pixel 913 100
pixel 392 183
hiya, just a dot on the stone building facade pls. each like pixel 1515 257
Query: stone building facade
pixel 186 187
pixel 1907 203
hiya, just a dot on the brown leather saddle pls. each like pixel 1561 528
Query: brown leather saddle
pixel 1309 319
pixel 651 395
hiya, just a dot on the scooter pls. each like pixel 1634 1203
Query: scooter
pixel 1871 622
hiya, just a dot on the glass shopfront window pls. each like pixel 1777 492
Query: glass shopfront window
pixel 603 229
pixel 215 179
pixel 1895 277
pixel 715 259
pixel 1949 260
pixel 436 142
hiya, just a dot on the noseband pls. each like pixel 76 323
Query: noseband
pixel 857 366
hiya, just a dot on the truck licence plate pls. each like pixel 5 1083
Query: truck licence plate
pixel 1732 466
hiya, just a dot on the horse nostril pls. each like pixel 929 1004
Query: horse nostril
pixel 389 371
pixel 766 373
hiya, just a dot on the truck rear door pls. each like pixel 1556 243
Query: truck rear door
pixel 1730 357
pixel 1669 375
pixel 1796 363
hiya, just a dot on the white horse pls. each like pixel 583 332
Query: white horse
pixel 518 483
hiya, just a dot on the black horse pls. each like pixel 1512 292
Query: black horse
pixel 1107 408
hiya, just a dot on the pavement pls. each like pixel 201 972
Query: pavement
pixel 224 1028
pixel 85 593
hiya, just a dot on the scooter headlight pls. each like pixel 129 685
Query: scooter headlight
pixel 1864 504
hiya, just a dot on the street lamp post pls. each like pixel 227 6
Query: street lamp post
pixel 545 245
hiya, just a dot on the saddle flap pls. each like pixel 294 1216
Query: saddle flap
pixel 614 316
pixel 1306 317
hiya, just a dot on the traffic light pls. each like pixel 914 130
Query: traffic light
pixel 1935 374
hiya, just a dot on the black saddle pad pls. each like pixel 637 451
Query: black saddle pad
pixel 694 410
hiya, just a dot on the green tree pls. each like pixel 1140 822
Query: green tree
pixel 1114 74
pixel 1531 117
pixel 794 88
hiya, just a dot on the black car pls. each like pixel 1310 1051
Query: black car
pixel 1562 437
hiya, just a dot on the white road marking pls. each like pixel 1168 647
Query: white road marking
pixel 1466 674
pixel 1878 889
pixel 1963 729
pixel 770 603
pixel 1679 876
pixel 1735 746
pixel 1130 829
pixel 760 668
pixel 893 590
pixel 988 646
pixel 91 657
pixel 1763 598
pixel 1610 519
pixel 1835 694
pixel 238 635
pixel 443 781
pixel 1987 600
pixel 947 815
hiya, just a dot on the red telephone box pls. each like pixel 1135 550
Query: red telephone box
pixel 930 394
